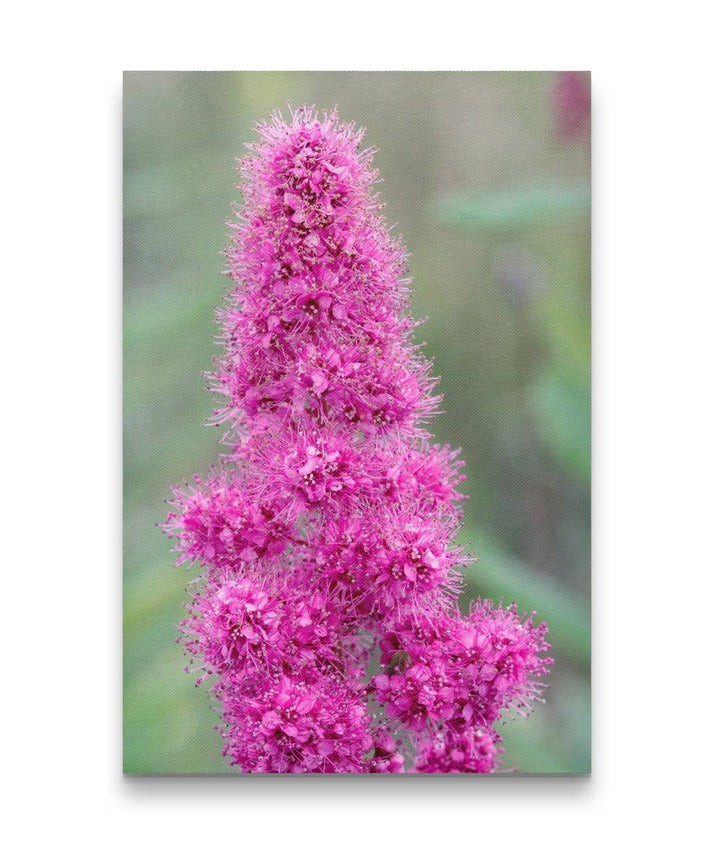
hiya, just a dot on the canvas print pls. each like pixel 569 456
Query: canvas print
pixel 357 422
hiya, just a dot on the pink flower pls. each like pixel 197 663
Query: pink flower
pixel 282 726
pixel 326 536
pixel 232 624
pixel 470 751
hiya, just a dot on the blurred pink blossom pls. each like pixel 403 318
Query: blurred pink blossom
pixel 572 102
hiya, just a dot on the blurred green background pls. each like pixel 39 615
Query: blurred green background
pixel 494 206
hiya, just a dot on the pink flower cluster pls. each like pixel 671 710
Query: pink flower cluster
pixel 326 615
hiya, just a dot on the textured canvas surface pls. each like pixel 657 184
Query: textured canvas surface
pixel 487 176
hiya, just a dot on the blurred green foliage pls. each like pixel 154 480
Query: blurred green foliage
pixel 518 207
pixel 494 211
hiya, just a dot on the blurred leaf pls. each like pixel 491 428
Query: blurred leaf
pixel 160 313
pixel 561 404
pixel 556 737
pixel 496 575
pixel 524 205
